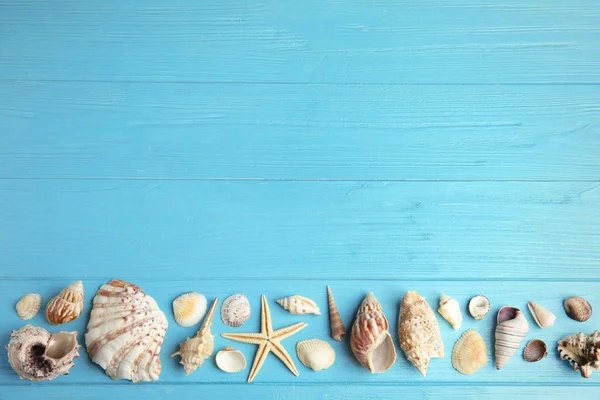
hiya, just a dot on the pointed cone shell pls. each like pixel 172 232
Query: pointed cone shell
pixel 370 339
pixel 230 360
pixel 419 332
pixel 338 331
pixel 315 354
pixel 510 332
pixel 542 316
pixel 450 310
pixel 479 306
pixel 535 351
pixel 189 308
pixel 235 310
pixel 28 306
pixel 67 305
pixel 299 305
pixel 469 353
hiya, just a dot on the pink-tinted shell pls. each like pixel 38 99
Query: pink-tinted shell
pixel 235 310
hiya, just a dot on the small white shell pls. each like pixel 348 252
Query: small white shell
pixel 230 360
pixel 542 316
pixel 235 310
pixel 189 308
pixel 299 305
pixel 479 306
pixel 450 310
pixel 29 305
pixel 315 354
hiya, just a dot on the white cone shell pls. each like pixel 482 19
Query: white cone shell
pixel 299 305
pixel 450 310
pixel 543 317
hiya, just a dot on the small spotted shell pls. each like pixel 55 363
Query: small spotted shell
pixel 235 310
pixel 29 305
pixel 578 308
pixel 67 305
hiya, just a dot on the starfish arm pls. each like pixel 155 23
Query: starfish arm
pixel 288 331
pixel 252 338
pixel 266 325
pixel 279 351
pixel 259 358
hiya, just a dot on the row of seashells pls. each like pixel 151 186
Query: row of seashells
pixel 62 308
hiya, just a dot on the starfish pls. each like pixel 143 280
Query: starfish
pixel 268 340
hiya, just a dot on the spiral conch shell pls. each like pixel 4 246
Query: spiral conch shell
pixel 510 332
pixel 419 332
pixel 370 339
pixel 450 310
pixel 338 331
pixel 37 355
pixel 195 350
pixel 29 305
pixel 67 305
pixel 299 305
pixel 125 332
pixel 469 353
pixel 582 352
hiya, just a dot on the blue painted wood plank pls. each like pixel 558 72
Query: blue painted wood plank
pixel 509 41
pixel 142 130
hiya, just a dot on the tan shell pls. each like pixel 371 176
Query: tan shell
pixel 450 310
pixel 582 352
pixel 315 354
pixel 510 332
pixel 29 305
pixel 230 360
pixel 189 308
pixel 542 316
pixel 338 331
pixel 469 353
pixel 419 332
pixel 479 306
pixel 535 351
pixel 299 305
pixel 67 305
pixel 370 339
pixel 578 308
pixel 235 310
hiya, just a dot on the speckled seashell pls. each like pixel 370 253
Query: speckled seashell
pixel 315 354
pixel 535 351
pixel 479 306
pixel 582 352
pixel 450 310
pixel 469 353
pixel 541 315
pixel 299 305
pixel 230 360
pixel 29 305
pixel 578 308
pixel 510 332
pixel 235 310
pixel 67 305
pixel 189 308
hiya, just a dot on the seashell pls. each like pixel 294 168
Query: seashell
pixel 370 339
pixel 230 360
pixel 419 332
pixel 535 351
pixel 316 354
pixel 126 332
pixel 189 308
pixel 469 353
pixel 338 331
pixel 195 350
pixel 582 352
pixel 37 355
pixel 542 317
pixel 235 310
pixel 450 310
pixel 510 332
pixel 299 305
pixel 578 308
pixel 479 306
pixel 29 305
pixel 67 305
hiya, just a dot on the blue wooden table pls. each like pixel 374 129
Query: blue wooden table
pixel 278 146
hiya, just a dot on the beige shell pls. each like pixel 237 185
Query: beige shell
pixel 299 305
pixel 582 352
pixel 419 332
pixel 578 308
pixel 450 310
pixel 542 316
pixel 189 308
pixel 315 354
pixel 235 310
pixel 370 339
pixel 37 355
pixel 510 332
pixel 28 306
pixel 230 360
pixel 479 306
pixel 535 351
pixel 67 305
pixel 469 353
pixel 195 350
pixel 338 331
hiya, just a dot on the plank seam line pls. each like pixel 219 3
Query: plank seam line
pixel 345 383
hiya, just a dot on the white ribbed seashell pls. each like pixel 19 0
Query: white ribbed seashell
pixel 230 360
pixel 126 332
pixel 235 310
pixel 479 306
pixel 469 353
pixel 338 331
pixel 370 338
pixel 510 332
pixel 582 352
pixel 542 316
pixel 299 305
pixel 67 305
pixel 189 308
pixel 29 305
pixel 450 310
pixel 315 354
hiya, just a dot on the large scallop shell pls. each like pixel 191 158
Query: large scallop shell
pixel 450 310
pixel 315 354
pixel 230 360
pixel 338 331
pixel 125 332
pixel 67 305
pixel 299 305
pixel 235 310
pixel 578 308
pixel 469 353
pixel 419 332
pixel 479 306
pixel 370 339
pixel 542 316
pixel 189 308
pixel 29 305
pixel 582 352
pixel 535 351
pixel 510 332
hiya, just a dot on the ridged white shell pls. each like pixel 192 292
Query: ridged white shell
pixel 315 354
pixel 469 353
pixel 542 316
pixel 230 360
pixel 67 305
pixel 299 305
pixel 28 306
pixel 235 310
pixel 582 352
pixel 479 306
pixel 510 332
pixel 189 308
pixel 450 310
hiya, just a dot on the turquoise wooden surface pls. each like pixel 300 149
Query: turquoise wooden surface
pixel 277 146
